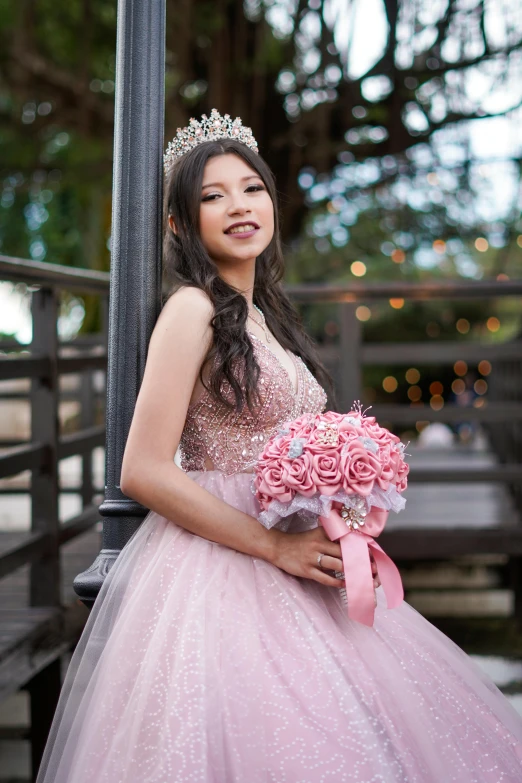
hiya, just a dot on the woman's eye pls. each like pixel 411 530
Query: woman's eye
pixel 212 196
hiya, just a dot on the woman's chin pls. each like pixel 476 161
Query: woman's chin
pixel 245 252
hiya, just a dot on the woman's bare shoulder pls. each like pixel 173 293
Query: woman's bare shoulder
pixel 188 299
pixel 188 312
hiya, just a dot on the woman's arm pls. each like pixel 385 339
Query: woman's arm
pixel 177 349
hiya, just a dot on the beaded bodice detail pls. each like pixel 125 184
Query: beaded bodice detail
pixel 216 438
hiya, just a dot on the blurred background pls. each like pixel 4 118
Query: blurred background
pixel 394 130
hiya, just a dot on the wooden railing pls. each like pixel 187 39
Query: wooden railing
pixel 34 637
pixel 347 360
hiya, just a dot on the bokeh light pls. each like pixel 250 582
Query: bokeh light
pixel 493 324
pixel 390 384
pixel 436 402
pixel 458 386
pixel 436 387
pixel 412 375
pixel 462 325
pixel 481 244
pixel 358 269
pixel 363 313
pixel 398 256
pixel 331 328
pixel 460 367
pixel 397 303
pixel 414 393
pixel 484 367
pixel 480 386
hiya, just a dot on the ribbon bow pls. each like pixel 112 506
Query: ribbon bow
pixel 355 549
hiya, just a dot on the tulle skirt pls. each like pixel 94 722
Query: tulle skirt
pixel 200 663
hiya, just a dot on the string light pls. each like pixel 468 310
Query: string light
pixel 436 402
pixel 389 384
pixel 363 313
pixel 412 375
pixel 414 393
pixel 458 386
pixel 480 386
pixel 358 269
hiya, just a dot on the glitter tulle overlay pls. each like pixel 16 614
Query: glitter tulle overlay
pixel 200 664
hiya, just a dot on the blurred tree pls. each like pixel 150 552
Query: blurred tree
pixel 370 119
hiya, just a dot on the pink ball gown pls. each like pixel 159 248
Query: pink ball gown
pixel 200 663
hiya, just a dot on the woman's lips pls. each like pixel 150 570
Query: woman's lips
pixel 242 234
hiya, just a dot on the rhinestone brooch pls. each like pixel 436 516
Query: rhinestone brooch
pixel 354 517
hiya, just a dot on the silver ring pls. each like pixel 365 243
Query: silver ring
pixel 319 558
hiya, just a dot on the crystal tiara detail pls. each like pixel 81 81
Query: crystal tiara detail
pixel 211 128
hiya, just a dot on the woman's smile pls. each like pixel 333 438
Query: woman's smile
pixel 242 230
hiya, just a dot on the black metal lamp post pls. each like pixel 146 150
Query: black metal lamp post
pixel 135 282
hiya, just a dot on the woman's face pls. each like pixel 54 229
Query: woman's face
pixel 233 193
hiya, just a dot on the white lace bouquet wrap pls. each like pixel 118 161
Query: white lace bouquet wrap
pixel 348 472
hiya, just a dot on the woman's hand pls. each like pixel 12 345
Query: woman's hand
pixel 296 553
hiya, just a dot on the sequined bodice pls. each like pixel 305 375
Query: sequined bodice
pixel 217 438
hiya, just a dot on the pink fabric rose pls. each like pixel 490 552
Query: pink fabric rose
pixel 276 449
pixel 380 435
pixel 325 470
pixel 296 475
pixel 349 432
pixel 402 477
pixel 360 468
pixel 329 417
pixel 271 483
pixel 302 424
pixel 390 461
pixel 264 500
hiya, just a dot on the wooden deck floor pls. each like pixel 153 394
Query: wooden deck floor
pixel 449 505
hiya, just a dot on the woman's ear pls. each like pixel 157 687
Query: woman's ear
pixel 172 224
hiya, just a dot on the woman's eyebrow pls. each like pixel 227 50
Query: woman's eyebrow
pixel 216 184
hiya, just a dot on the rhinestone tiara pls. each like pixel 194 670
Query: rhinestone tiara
pixel 210 129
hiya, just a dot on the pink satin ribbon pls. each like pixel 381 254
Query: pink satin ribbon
pixel 355 549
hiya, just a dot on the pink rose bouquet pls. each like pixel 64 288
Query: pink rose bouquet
pixel 347 472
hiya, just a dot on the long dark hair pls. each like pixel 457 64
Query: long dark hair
pixel 187 263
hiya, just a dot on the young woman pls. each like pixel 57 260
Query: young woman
pixel 219 651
